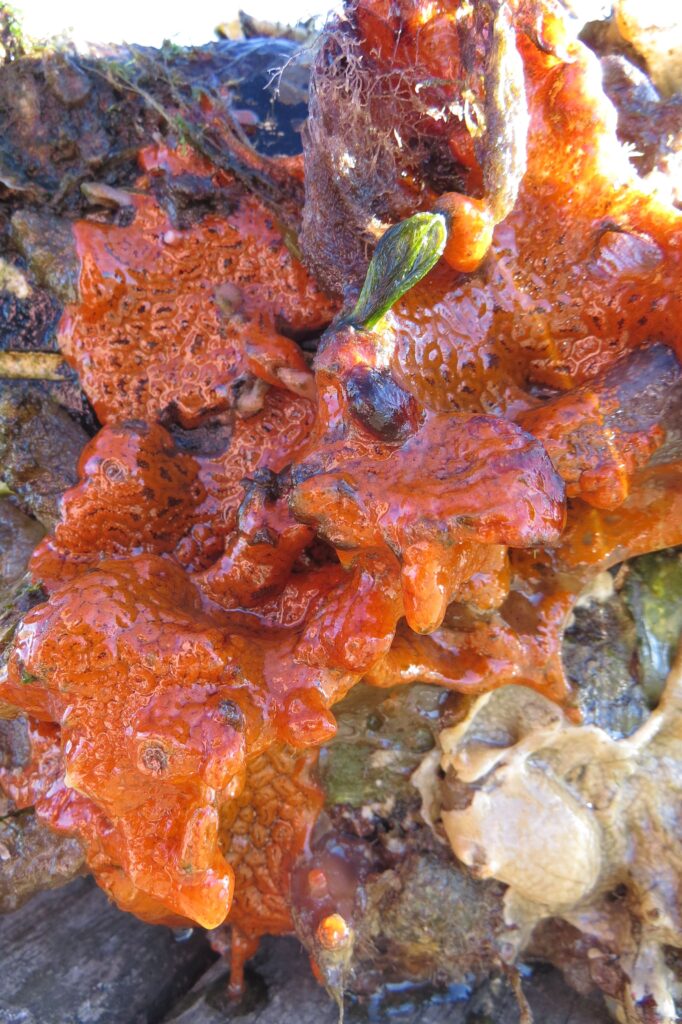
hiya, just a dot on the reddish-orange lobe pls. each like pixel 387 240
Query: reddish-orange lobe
pixel 173 319
pixel 248 540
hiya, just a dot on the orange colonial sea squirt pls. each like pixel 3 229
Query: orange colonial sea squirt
pixel 584 267
pixel 385 473
pixel 136 492
pixel 182 317
pixel 212 596
pixel 263 830
pixel 166 709
pixel 599 434
pixel 124 659
pixel 582 271
pixel 163 702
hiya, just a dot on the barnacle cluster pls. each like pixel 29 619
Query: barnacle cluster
pixel 485 428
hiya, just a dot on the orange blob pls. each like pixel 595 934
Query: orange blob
pixel 470 230
pixel 162 705
pixel 333 933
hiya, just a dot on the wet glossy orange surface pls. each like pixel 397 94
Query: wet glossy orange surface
pixel 488 483
pixel 585 270
pixel 430 507
pixel 174 319
pixel 263 831
pixel 161 708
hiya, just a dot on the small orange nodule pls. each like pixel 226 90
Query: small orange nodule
pixel 470 230
pixel 333 932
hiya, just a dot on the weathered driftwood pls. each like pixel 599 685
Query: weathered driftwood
pixel 70 957
pixel 282 990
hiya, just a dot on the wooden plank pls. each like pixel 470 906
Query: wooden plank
pixel 70 957
pixel 285 992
